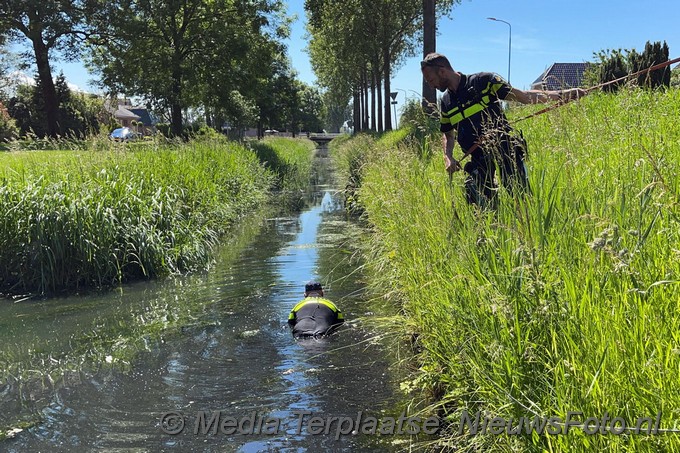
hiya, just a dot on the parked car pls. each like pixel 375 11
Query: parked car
pixel 123 134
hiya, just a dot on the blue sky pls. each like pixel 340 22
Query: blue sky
pixel 542 33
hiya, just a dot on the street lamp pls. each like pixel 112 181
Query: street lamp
pixel 394 94
pixel 405 94
pixel 509 42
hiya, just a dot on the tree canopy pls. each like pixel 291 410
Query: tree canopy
pixel 225 59
pixel 356 46
pixel 182 54
pixel 51 28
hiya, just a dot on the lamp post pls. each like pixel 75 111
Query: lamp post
pixel 393 95
pixel 405 94
pixel 509 42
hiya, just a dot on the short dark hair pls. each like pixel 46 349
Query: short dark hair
pixel 313 286
pixel 435 60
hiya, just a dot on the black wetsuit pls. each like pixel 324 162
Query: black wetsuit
pixel 314 317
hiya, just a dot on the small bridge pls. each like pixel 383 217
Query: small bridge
pixel 321 139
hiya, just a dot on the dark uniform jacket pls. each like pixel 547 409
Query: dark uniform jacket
pixel 474 108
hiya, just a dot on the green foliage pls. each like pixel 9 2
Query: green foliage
pixel 311 109
pixel 675 77
pixel 611 65
pixel 8 128
pixel 653 54
pixel 46 28
pixel 350 155
pixel 78 113
pixel 8 63
pixel 211 53
pixel 416 118
pixel 279 103
pixel 241 113
pixel 337 110
pixel 204 132
pixel 614 64
pixel 164 128
pixel 81 218
pixel 565 300
pixel 345 61
pixel 26 112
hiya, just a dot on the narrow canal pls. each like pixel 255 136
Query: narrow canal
pixel 233 358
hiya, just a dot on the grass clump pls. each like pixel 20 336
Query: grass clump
pixel 562 301
pixel 81 219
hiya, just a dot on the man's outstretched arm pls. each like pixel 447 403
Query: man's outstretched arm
pixel 540 97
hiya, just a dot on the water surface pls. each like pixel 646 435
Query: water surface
pixel 233 359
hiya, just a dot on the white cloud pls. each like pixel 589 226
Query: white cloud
pixel 16 78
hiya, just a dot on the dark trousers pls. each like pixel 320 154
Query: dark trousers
pixel 508 153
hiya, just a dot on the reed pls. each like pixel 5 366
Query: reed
pixel 80 219
pixel 565 300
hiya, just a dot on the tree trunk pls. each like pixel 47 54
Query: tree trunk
pixel 365 89
pixel 176 119
pixel 378 84
pixel 388 88
pixel 361 108
pixel 356 117
pixel 381 127
pixel 176 96
pixel 48 91
pixel 374 79
pixel 429 46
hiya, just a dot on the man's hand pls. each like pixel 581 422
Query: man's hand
pixel 452 165
pixel 573 93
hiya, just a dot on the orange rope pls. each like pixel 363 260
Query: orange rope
pixel 597 87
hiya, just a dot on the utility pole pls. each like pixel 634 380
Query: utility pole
pixel 429 99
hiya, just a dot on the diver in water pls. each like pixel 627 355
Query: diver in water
pixel 314 316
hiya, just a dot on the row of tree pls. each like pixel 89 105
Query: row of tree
pixel 223 57
pixel 356 45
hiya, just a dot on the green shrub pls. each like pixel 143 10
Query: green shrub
pixel 8 127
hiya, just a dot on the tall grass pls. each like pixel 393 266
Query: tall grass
pixel 565 300
pixel 80 219
pixel 288 159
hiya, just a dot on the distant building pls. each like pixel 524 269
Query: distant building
pixel 139 119
pixel 560 76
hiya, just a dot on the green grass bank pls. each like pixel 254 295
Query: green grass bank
pixel 78 219
pixel 565 301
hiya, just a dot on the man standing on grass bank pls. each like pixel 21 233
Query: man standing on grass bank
pixel 471 112
pixel 314 316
